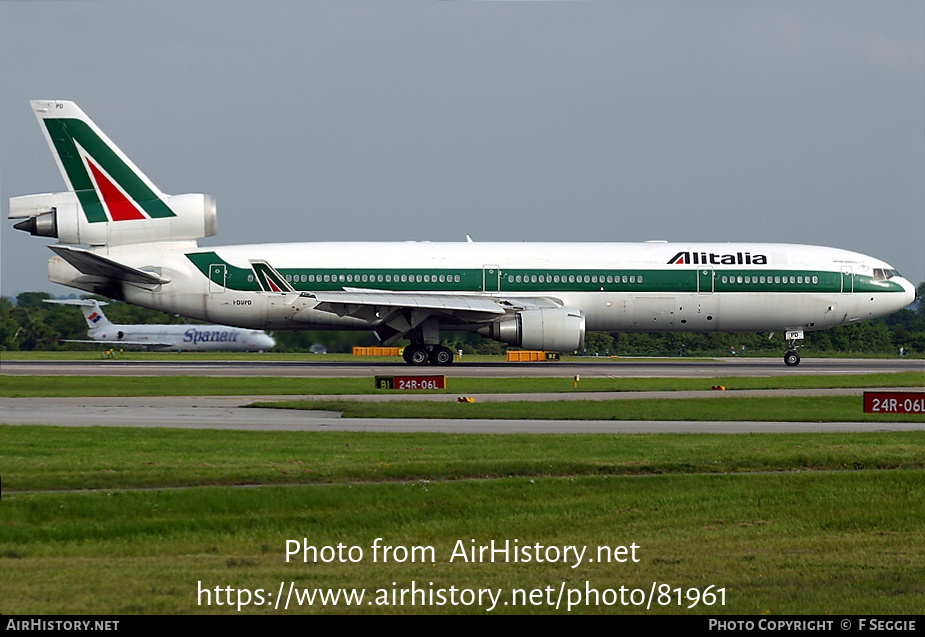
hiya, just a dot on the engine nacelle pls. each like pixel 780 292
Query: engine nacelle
pixel 62 216
pixel 553 329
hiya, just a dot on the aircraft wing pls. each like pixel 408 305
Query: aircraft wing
pixel 394 314
pixel 148 344
pixel 348 302
pixel 97 265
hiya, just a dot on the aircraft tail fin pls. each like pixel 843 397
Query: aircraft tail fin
pixel 91 309
pixel 109 200
pixel 92 165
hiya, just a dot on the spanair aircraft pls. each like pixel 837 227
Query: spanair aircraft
pixel 166 338
pixel 141 247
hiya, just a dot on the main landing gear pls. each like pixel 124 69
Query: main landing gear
pixel 421 354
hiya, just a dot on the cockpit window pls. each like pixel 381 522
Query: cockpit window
pixel 882 274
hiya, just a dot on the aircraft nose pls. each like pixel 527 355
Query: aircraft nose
pixel 908 292
pixel 268 341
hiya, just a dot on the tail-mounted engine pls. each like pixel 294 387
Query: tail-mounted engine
pixel 64 217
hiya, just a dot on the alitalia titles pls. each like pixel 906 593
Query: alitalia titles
pixel 712 258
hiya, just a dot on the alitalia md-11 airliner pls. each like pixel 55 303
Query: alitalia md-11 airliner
pixel 120 236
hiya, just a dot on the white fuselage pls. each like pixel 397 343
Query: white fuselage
pixel 186 338
pixel 647 287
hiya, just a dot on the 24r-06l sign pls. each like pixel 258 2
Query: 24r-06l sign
pixel 894 402
pixel 410 382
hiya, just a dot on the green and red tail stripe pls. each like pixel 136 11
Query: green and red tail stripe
pixel 108 186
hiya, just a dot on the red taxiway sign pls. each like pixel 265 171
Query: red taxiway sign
pixel 894 402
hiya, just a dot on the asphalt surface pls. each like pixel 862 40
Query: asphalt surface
pixel 586 367
pixel 227 413
pixel 213 412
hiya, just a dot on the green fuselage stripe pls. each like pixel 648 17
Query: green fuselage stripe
pixel 554 281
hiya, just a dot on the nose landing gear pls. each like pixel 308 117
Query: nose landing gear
pixel 792 357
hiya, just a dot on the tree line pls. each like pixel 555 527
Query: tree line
pixel 27 324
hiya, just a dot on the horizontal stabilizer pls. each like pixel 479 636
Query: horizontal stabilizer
pixel 79 302
pixel 26 206
pixel 97 265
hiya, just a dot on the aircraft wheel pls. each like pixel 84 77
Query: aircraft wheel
pixel 791 359
pixel 441 355
pixel 415 354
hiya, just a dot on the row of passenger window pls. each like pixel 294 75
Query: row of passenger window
pixel 451 278
pixel 373 278
pixel 532 278
pixel 572 278
pixel 783 280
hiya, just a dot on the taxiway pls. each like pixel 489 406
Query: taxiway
pixel 588 367
pixel 219 412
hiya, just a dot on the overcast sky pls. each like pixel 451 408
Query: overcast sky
pixel 583 121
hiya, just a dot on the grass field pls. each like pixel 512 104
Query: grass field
pixel 126 521
pixel 140 521
pixel 135 355
pixel 26 386
pixel 724 408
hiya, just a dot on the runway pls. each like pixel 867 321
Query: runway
pixel 587 367
pixel 221 412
